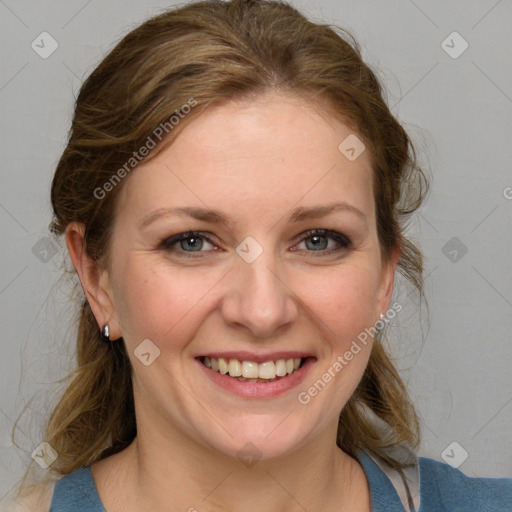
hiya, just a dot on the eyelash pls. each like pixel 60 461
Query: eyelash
pixel 342 240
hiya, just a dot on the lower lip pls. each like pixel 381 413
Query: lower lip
pixel 259 389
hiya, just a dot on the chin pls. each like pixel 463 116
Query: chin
pixel 256 438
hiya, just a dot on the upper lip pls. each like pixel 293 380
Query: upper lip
pixel 259 357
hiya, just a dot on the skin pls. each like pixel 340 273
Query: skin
pixel 255 161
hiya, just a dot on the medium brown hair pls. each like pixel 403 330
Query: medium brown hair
pixel 212 52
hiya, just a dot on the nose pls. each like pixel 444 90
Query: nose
pixel 259 299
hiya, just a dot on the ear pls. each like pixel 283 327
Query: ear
pixel 95 280
pixel 387 280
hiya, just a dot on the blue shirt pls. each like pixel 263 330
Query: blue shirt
pixel 438 488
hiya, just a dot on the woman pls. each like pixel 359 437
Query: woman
pixel 232 197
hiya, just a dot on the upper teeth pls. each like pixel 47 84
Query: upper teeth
pixel 252 370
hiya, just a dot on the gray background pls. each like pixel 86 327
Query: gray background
pixel 457 110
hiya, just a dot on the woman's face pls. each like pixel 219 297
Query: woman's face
pixel 253 284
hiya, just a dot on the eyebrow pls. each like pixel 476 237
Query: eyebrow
pixel 214 216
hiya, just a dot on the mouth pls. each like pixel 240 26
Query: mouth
pixel 249 371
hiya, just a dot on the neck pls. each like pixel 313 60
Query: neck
pixel 172 472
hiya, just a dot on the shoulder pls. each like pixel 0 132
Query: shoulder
pixel 33 499
pixel 74 491
pixel 427 485
pixel 443 487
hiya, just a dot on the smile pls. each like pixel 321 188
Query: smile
pixel 251 371
pixel 259 376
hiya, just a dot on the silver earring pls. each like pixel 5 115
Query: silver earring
pixel 105 333
pixel 379 325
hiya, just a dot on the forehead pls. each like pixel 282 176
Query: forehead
pixel 272 151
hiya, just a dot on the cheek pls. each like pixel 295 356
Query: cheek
pixel 345 306
pixel 157 302
pixel 345 300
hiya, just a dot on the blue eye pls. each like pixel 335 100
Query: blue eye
pixel 320 241
pixel 190 240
